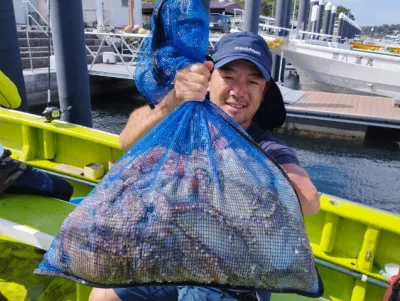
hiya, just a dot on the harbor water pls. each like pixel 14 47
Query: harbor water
pixel 344 168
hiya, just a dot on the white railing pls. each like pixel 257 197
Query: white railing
pixel 124 45
pixel 28 17
pixel 125 48
pixel 28 5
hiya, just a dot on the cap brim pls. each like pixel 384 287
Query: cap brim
pixel 272 113
pixel 226 60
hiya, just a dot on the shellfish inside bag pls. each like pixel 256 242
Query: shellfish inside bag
pixel 194 202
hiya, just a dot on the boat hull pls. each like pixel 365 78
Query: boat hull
pixel 357 71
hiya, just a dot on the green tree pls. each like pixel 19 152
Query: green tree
pixel 268 8
pixel 380 30
pixel 346 11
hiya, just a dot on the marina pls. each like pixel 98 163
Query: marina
pixel 357 112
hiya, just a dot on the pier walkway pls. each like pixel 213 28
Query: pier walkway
pixel 344 108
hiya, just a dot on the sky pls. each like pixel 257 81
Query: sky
pixel 372 12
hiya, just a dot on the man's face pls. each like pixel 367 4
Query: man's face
pixel 238 88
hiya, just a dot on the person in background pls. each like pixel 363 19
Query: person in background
pixel 239 82
pixel 393 291
pixel 16 176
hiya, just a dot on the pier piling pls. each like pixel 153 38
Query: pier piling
pixel 10 59
pixel 71 61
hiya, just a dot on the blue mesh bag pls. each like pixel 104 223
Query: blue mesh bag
pixel 179 38
pixel 194 202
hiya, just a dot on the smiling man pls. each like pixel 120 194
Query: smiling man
pixel 239 82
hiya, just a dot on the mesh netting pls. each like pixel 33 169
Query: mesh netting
pixel 179 38
pixel 195 201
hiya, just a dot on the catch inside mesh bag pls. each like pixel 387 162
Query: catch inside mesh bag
pixel 194 202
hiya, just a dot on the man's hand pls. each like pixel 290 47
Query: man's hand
pixel 191 83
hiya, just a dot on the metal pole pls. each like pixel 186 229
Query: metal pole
pixel 282 20
pixel 251 15
pixel 340 27
pixel 294 15
pixel 351 273
pixel 10 59
pixel 130 12
pixel 288 9
pixel 99 14
pixel 71 61
pixel 310 21
pixel 27 35
pixel 313 19
pixel 350 30
pixel 48 53
pixel 332 20
pixel 319 16
pixel 345 27
pixel 303 12
pixel 327 17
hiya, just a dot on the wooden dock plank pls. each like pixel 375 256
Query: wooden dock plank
pixel 359 109
pixel 351 107
pixel 381 108
pixel 344 106
pixel 354 105
pixel 330 99
pixel 395 112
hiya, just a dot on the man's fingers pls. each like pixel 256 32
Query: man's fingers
pixel 191 83
pixel 200 69
pixel 200 75
pixel 188 91
pixel 209 65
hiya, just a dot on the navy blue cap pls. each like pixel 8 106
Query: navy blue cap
pixel 252 47
pixel 243 45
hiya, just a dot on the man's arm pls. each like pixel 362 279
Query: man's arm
pixel 144 119
pixel 191 84
pixel 308 194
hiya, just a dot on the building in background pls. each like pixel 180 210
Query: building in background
pixel 115 12
pixel 223 8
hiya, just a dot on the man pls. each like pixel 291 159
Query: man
pixel 16 176
pixel 393 291
pixel 10 170
pixel 240 85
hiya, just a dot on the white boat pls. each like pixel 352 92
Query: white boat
pixel 333 65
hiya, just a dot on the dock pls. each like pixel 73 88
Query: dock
pixel 343 114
